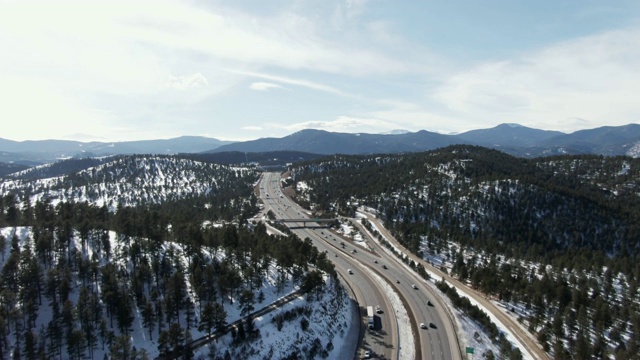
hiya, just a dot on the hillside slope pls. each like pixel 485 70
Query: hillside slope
pixel 512 228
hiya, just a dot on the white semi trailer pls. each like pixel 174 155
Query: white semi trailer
pixel 370 316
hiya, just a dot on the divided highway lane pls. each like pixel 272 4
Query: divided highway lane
pixel 440 342
pixel 384 340
pixel 437 342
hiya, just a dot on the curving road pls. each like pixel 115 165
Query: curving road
pixel 438 342
pixel 383 340
pixel 530 345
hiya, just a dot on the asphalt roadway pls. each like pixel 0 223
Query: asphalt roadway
pixel 435 342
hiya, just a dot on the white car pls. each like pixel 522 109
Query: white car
pixel 423 326
pixel 414 286
pixel 350 271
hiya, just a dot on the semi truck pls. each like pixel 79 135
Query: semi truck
pixel 370 316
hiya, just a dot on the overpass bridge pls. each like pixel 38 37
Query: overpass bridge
pixel 305 221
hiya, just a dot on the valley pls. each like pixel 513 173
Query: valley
pixel 156 243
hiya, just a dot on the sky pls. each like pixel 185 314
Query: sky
pixel 247 69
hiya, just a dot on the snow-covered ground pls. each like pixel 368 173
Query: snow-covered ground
pixel 329 317
pixel 463 319
pixel 128 181
pixel 349 231
pixel 328 326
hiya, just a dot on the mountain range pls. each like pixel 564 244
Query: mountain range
pixel 513 139
pixel 35 152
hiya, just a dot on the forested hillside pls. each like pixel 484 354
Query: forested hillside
pixel 59 168
pixel 9 168
pixel 558 236
pixel 121 261
pixel 137 180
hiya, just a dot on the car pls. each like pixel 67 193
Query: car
pixel 375 261
pixel 384 267
pixel 397 281
pixel 423 326
pixel 429 303
pixel 432 325
pixel 367 354
pixel 378 309
pixel 414 286
pixel 336 255
pixel 350 271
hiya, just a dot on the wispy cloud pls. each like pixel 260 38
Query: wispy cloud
pixel 296 82
pixel 343 124
pixel 262 86
pixel 186 82
pixel 114 67
pixel 252 128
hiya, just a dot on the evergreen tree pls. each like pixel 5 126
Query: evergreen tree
pixel 149 318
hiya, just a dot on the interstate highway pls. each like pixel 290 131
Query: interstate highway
pixel 433 343
pixel 383 342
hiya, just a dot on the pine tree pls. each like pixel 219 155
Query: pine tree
pixel 219 317
pixel 148 318
pixel 246 302
pixel 30 344
pixel 206 319
pixel 121 348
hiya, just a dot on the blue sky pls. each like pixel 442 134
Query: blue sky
pixel 240 70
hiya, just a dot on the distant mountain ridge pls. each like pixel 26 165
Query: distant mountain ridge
pixel 44 151
pixel 325 142
pixel 508 135
pixel 513 139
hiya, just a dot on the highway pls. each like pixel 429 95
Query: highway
pixel 437 342
pixel 530 345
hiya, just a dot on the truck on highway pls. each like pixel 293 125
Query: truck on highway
pixel 370 316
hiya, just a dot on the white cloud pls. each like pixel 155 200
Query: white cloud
pixel 111 68
pixel 343 124
pixel 186 82
pixel 567 86
pixel 297 82
pixel 32 108
pixel 252 128
pixel 126 56
pixel 262 86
